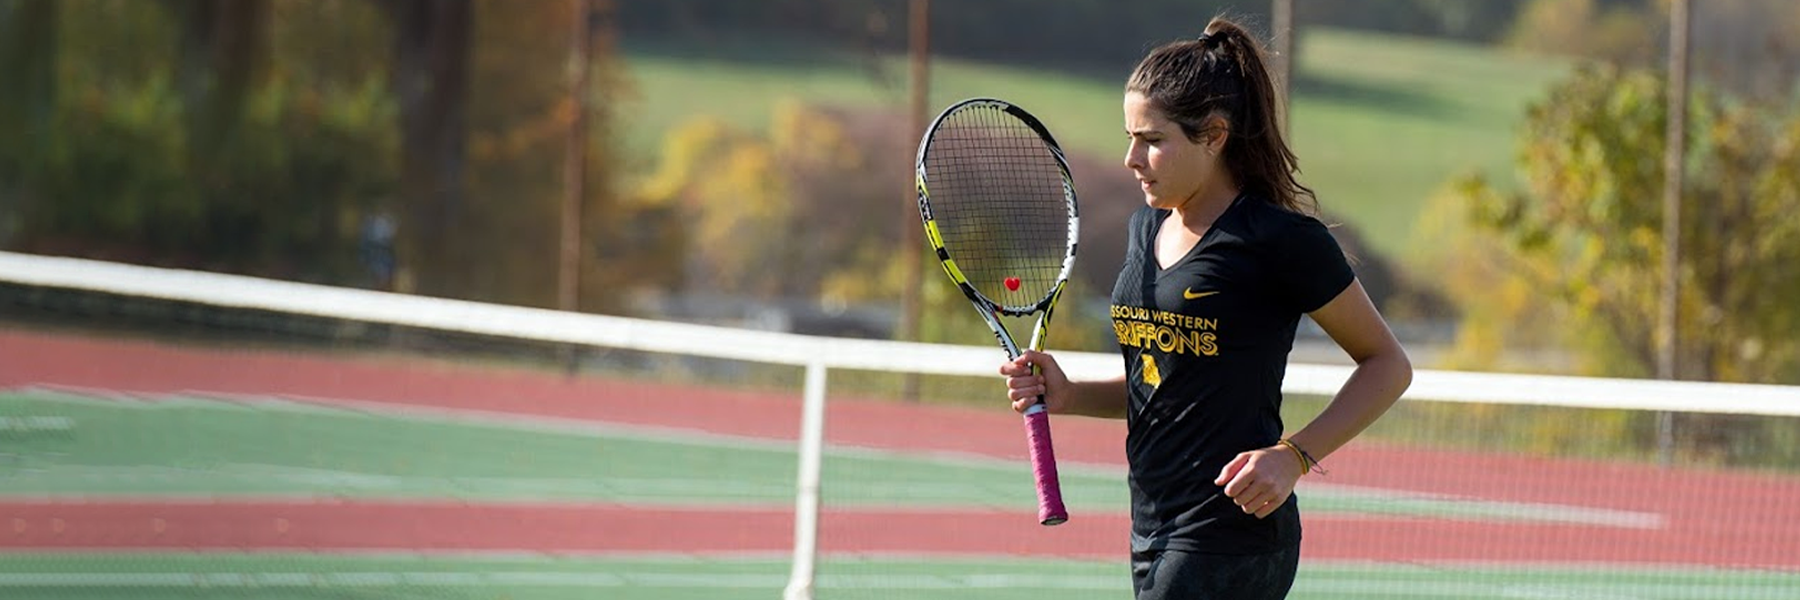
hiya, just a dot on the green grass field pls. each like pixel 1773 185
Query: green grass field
pixel 1380 122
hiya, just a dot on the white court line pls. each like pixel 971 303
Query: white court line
pixel 1428 505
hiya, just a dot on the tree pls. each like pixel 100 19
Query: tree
pixel 800 213
pixel 28 74
pixel 1745 46
pixel 223 47
pixel 1572 257
pixel 1624 33
pixel 164 137
pixel 431 81
pixel 741 189
pixel 484 110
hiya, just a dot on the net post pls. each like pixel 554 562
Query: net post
pixel 806 499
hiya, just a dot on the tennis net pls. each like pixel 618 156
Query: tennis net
pixel 164 431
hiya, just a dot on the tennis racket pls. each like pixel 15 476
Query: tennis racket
pixel 998 206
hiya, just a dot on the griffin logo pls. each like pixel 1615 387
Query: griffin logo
pixel 1152 375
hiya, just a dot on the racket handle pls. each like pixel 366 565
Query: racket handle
pixel 1043 466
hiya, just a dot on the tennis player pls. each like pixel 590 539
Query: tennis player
pixel 1222 262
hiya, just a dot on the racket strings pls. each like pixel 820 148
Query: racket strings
pixel 996 193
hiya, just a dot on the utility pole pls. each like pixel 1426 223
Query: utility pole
pixel 581 36
pixel 1281 30
pixel 568 277
pixel 1674 161
pixel 919 44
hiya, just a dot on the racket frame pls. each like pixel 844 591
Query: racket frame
pixel 1051 510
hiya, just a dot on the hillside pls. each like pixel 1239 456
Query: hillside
pixel 1379 121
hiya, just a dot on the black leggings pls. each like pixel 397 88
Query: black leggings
pixel 1180 575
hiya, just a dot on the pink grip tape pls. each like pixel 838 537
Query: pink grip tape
pixel 1043 468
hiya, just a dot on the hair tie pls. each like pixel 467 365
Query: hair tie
pixel 1208 40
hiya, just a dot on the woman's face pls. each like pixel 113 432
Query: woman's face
pixel 1170 168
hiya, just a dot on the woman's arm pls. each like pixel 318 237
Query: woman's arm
pixel 1099 398
pixel 1382 372
pixel 1261 480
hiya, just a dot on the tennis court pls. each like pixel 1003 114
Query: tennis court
pixel 269 474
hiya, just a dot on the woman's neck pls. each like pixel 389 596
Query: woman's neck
pixel 1199 212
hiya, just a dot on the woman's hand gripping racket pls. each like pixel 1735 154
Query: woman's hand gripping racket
pixel 999 208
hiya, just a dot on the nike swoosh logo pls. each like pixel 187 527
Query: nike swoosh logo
pixel 1190 294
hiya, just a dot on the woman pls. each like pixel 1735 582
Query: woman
pixel 1222 262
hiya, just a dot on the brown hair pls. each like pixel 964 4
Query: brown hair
pixel 1222 73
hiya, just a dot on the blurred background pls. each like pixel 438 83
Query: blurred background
pixel 1499 169
pixel 1496 167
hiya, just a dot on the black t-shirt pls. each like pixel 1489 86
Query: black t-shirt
pixel 1205 344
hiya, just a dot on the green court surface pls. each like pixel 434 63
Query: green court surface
pixel 185 446
pixel 188 446
pixel 526 577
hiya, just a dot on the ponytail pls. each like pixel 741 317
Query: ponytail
pixel 1225 73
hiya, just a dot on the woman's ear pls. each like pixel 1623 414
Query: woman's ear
pixel 1215 131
